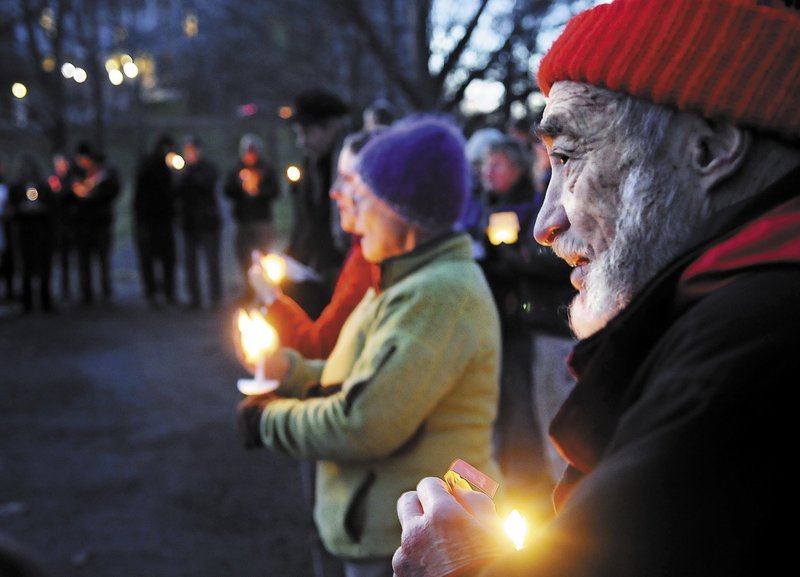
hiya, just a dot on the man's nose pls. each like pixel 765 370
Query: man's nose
pixel 552 219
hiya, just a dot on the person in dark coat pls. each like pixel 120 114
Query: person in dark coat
pixel 251 187
pixel 95 187
pixel 33 227
pixel 315 239
pixel 154 229
pixel 674 138
pixel 58 182
pixel 200 223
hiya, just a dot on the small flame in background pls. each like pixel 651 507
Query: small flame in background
pixel 175 161
pixel 275 267
pixel 516 528
pixel 258 336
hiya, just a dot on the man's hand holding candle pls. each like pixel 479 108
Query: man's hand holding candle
pixel 446 529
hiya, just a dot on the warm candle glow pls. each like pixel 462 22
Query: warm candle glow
pixel 175 161
pixel 516 528
pixel 259 339
pixel 503 228
pixel 274 266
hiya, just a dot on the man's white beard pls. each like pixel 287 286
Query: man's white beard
pixel 655 220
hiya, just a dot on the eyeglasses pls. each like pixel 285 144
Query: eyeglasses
pixel 351 188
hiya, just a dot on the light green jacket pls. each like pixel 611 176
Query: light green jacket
pixel 418 367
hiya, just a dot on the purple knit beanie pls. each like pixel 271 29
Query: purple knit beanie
pixel 419 168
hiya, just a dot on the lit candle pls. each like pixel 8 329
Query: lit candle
pixel 259 340
pixel 516 528
pixel 274 266
pixel 503 228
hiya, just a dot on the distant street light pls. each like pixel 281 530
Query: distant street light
pixel 67 70
pixel 115 77
pixel 80 75
pixel 19 90
pixel 130 69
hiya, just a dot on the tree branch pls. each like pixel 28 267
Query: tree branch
pixel 452 59
pixel 354 12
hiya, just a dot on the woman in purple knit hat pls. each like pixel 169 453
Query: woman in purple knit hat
pixel 411 384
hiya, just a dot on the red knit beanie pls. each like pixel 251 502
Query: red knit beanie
pixel 735 60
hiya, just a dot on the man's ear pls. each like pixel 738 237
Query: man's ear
pixel 717 150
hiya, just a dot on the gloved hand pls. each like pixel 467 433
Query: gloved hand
pixel 248 419
pixel 444 532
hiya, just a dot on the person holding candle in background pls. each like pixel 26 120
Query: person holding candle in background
pixel 673 130
pixel 315 339
pixel 412 381
pixel 251 187
pixel 32 205
pixel 94 188
pixel 200 222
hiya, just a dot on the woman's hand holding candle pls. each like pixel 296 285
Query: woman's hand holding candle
pixel 257 347
pixel 264 275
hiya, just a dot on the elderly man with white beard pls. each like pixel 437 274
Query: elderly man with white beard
pixel 673 130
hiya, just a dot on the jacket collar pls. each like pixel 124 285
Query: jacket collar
pixel 451 245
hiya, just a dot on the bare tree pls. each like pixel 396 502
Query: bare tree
pixel 44 24
pixel 405 56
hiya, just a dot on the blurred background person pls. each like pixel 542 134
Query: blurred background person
pixel 31 209
pixel 251 187
pixel 95 187
pixel 521 128
pixel 200 223
pixel 530 286
pixel 411 384
pixel 380 113
pixel 64 209
pixel 154 227
pixel 320 123
pixel 474 218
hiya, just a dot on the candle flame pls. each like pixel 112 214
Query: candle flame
pixel 503 228
pixel 258 337
pixel 275 267
pixel 516 528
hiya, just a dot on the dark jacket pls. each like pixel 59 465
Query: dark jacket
pixel 312 239
pixel 248 207
pixel 197 199
pixel 154 196
pixel 97 208
pixel 679 424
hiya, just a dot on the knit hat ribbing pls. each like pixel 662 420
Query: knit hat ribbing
pixel 418 167
pixel 734 60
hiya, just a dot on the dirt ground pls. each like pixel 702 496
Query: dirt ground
pixel 118 447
